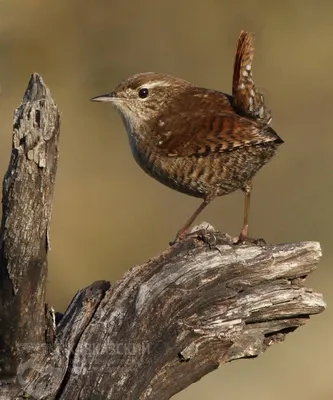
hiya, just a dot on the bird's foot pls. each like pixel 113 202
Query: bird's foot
pixel 243 238
pixel 248 240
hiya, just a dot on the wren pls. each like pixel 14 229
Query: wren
pixel 198 141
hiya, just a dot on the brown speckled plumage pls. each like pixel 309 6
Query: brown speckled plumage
pixel 203 162
pixel 198 141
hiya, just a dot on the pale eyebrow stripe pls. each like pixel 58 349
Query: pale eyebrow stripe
pixel 151 85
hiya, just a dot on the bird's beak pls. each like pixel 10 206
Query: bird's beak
pixel 106 97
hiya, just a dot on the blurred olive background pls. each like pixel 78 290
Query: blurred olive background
pixel 108 215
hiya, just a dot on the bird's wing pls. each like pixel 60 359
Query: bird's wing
pixel 199 134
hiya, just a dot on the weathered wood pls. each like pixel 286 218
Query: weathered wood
pixel 170 321
pixel 27 204
pixel 164 325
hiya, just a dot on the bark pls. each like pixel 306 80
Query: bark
pixel 168 322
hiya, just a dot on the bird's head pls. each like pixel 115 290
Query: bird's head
pixel 143 96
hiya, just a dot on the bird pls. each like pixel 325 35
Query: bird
pixel 197 141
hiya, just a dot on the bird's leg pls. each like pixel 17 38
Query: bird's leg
pixel 244 234
pixel 245 230
pixel 183 231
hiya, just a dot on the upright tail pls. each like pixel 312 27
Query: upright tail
pixel 247 100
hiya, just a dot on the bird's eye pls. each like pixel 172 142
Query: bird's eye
pixel 143 93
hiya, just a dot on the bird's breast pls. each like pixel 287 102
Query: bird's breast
pixel 193 176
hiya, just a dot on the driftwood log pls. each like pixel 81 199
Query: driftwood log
pixel 164 325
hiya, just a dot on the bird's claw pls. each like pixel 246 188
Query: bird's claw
pixel 248 240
